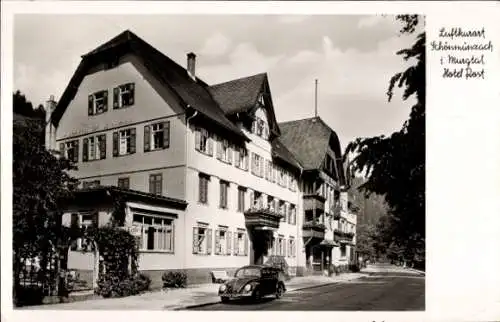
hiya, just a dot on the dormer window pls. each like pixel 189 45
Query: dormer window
pixel 123 96
pixel 98 102
pixel 260 128
pixel 261 100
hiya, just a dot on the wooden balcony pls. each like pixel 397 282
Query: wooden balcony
pixel 314 230
pixel 314 201
pixel 260 217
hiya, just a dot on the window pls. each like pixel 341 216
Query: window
pixel 241 158
pixel 91 184
pixel 342 251
pixel 157 136
pixel 224 152
pixel 281 177
pixel 69 150
pixel 270 203
pixel 223 194
pixel 98 102
pixel 257 166
pixel 155 183
pixel 94 148
pixel 269 170
pixel 256 199
pixel 241 199
pixel 279 246
pixel 83 221
pixel 124 142
pixel 241 243
pixel 124 183
pixel 203 188
pixel 282 209
pixel 123 96
pixel 292 219
pixel 291 247
pixel 202 240
pixel 222 241
pixel 293 183
pixel 157 233
pixel 203 141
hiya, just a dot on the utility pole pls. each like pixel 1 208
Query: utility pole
pixel 315 97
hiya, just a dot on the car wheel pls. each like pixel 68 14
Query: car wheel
pixel 256 295
pixel 279 291
pixel 224 299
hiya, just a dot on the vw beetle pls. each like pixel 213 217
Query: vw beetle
pixel 254 282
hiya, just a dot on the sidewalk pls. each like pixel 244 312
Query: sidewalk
pixel 176 299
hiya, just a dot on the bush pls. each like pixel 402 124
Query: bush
pixel 354 268
pixel 174 279
pixel 28 295
pixel 116 287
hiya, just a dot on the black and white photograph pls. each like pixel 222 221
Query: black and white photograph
pixel 194 158
pixel 189 163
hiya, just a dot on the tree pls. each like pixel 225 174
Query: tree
pixel 395 165
pixel 24 107
pixel 40 181
pixel 365 240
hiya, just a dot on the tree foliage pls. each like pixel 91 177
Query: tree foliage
pixel 395 165
pixel 24 107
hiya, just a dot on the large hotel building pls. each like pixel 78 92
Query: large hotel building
pixel 209 179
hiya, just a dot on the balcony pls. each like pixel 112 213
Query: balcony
pixel 261 217
pixel 314 201
pixel 313 229
pixel 343 237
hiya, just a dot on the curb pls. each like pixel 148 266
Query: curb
pixel 192 306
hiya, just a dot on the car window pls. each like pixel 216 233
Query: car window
pixel 248 272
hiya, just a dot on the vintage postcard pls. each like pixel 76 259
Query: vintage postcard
pixel 340 159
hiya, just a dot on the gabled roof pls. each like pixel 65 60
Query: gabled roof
pixel 193 94
pixel 238 95
pixel 280 151
pixel 308 140
pixel 241 95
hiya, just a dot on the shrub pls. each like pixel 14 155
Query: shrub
pixel 28 295
pixel 116 287
pixel 174 279
pixel 354 268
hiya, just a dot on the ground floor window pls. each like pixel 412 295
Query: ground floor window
pixel 222 241
pixel 83 221
pixel 157 233
pixel 241 243
pixel 291 247
pixel 202 240
pixel 343 251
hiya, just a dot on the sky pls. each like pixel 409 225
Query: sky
pixel 352 57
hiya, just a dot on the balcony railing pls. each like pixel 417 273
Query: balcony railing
pixel 313 229
pixel 314 201
pixel 262 216
pixel 342 236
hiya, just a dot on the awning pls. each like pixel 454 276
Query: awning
pixel 328 242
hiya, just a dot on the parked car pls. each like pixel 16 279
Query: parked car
pixel 254 282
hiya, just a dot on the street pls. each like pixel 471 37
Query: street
pixel 382 291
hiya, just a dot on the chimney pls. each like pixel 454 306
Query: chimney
pixel 50 130
pixel 191 64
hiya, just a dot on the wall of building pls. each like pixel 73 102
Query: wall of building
pixel 153 103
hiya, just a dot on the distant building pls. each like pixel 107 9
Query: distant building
pixel 209 178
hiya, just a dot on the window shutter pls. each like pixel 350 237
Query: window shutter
pixel 221 199
pixel 95 220
pixel 62 149
pixel 210 145
pixel 237 158
pixel 115 98
pixel 209 241
pixel 166 134
pixel 132 140
pixel 284 246
pixel 251 198
pixel 246 160
pixel 230 154
pixel 102 146
pixel 105 103
pixel 147 138
pixel 77 149
pixel 200 189
pixel 115 144
pixel 217 242
pixel 91 104
pixel 219 148
pixel 173 237
pixel 228 240
pixel 75 221
pixel 235 243
pixel 85 156
pixel 195 240
pixel 131 87
pixel 245 237
pixel 254 126
pixel 197 139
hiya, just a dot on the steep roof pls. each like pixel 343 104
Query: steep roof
pixel 238 95
pixel 194 94
pixel 280 151
pixel 309 139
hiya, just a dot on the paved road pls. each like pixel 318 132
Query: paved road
pixel 387 291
